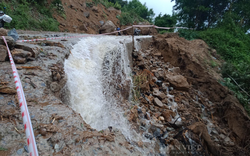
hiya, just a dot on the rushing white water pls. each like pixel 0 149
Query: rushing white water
pixel 98 71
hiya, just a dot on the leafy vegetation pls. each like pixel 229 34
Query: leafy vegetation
pixel 133 11
pixel 224 28
pixel 30 15
pixel 165 21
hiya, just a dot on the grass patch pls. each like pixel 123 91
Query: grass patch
pixel 138 81
pixel 30 15
pixel 3 149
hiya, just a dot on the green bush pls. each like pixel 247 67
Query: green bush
pixel 117 6
pixel 233 45
pixel 23 15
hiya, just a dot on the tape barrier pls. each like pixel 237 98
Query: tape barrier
pixel 23 107
pixel 80 36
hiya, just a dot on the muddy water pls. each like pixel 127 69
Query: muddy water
pixel 96 70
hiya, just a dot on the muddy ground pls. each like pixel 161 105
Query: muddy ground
pixel 58 129
pixel 178 102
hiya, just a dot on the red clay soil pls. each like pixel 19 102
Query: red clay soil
pixel 75 21
pixel 226 112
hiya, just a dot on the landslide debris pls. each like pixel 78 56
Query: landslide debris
pixel 181 101
pixel 58 129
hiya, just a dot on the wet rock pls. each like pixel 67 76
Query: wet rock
pixel 157 132
pixel 168 114
pixel 34 49
pixel 148 136
pixel 3 32
pixel 43 131
pixel 19 60
pixel 10 41
pixel 158 94
pixel 56 147
pixel 108 27
pixel 26 149
pixel 21 53
pixel 86 14
pixel 139 110
pixel 159 83
pixel 54 87
pixel 101 22
pixel 7 90
pixel 3 53
pixel 179 82
pixel 20 151
pixel 157 102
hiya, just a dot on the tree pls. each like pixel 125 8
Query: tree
pixel 200 14
pixel 165 20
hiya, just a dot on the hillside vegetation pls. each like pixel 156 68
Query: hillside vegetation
pixel 223 25
pixel 31 14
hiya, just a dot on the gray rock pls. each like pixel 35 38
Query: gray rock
pixel 159 94
pixel 20 151
pixel 86 14
pixel 101 22
pixel 157 132
pixel 108 27
pixel 57 147
pixel 54 87
pixel 26 149
pixel 157 102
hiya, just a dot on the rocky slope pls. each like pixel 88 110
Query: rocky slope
pixel 80 17
pixel 189 110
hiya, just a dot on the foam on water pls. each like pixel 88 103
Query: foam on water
pixel 88 70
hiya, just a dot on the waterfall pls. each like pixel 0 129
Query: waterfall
pixel 99 81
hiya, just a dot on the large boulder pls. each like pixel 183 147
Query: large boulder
pixel 3 32
pixel 108 27
pixel 34 49
pixel 21 53
pixel 11 42
pixel 3 53
pixel 179 82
